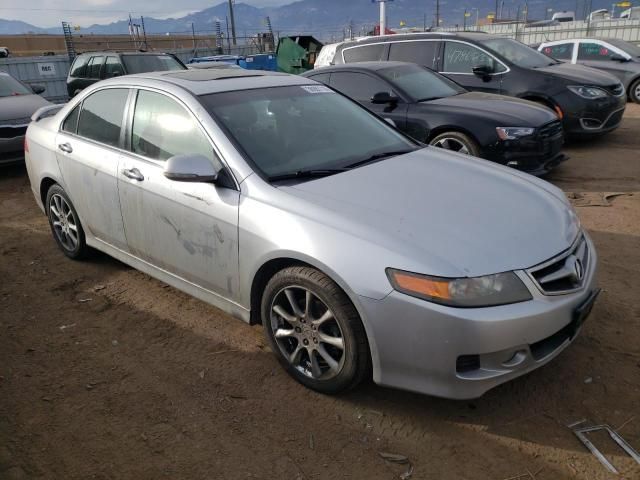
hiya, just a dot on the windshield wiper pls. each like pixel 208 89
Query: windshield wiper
pixel 427 99
pixel 301 174
pixel 379 156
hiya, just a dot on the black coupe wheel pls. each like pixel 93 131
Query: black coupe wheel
pixel 315 331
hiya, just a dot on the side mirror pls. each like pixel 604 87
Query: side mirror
pixel 483 71
pixel 619 58
pixel 382 98
pixel 190 168
pixel 37 89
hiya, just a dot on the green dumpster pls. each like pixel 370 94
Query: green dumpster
pixel 297 54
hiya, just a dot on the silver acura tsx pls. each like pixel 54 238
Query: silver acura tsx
pixel 284 203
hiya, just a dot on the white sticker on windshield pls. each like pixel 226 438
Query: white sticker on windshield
pixel 316 89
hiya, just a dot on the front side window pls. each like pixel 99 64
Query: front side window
pixel 162 128
pixel 359 86
pixel 93 68
pixel 150 63
pixel 101 116
pixel 70 123
pixel 463 58
pixel 594 51
pixel 561 51
pixel 79 67
pixel 517 53
pixel 422 53
pixel 365 53
pixel 284 130
pixel 421 84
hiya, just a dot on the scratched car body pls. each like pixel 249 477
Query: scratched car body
pixel 285 203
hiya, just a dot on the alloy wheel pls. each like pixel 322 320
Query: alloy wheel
pixel 449 143
pixel 65 224
pixel 307 333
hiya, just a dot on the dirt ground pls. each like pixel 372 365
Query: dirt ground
pixel 106 373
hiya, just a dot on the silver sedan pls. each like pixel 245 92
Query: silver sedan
pixel 361 252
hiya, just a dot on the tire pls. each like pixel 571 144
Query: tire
pixel 457 142
pixel 331 320
pixel 634 91
pixel 65 224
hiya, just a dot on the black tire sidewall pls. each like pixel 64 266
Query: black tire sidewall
pixel 81 249
pixel 470 143
pixel 344 313
pixel 632 91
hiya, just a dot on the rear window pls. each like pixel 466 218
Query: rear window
pixel 150 63
pixel 562 51
pixel 365 53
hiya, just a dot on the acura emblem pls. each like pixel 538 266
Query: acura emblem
pixel 578 270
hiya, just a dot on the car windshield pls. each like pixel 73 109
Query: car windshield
pixel 518 53
pixel 150 63
pixel 302 129
pixel 9 86
pixel 420 83
pixel 626 47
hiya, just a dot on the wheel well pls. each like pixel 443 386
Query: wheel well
pixel 442 129
pixel 45 185
pixel 542 100
pixel 262 277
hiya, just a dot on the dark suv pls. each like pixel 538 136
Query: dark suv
pixel 588 100
pixel 91 67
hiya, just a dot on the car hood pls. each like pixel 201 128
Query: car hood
pixel 508 111
pixel 20 107
pixel 444 214
pixel 580 74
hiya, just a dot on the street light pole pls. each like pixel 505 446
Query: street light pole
pixel 383 17
pixel 233 22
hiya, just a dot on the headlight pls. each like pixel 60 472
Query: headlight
pixel 590 93
pixel 487 291
pixel 512 133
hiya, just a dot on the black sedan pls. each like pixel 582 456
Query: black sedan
pixel 435 110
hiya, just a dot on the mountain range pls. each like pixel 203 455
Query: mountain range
pixel 322 18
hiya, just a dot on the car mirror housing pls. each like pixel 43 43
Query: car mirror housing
pixel 190 168
pixel 619 58
pixel 37 89
pixel 483 71
pixel 382 98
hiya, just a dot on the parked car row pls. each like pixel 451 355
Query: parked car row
pixel 285 203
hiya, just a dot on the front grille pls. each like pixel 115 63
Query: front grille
pixel 617 89
pixel 564 273
pixel 614 119
pixel 12 132
pixel 551 129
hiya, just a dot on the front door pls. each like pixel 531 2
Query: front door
pixel 600 55
pixel 88 154
pixel 459 60
pixel 187 229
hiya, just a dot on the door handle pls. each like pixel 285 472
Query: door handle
pixel 65 147
pixel 133 173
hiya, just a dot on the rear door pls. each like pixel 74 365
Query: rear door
pixel 361 87
pixel 187 229
pixel 460 58
pixel 88 151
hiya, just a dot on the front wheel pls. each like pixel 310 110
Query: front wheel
pixel 314 330
pixel 65 224
pixel 634 91
pixel 456 142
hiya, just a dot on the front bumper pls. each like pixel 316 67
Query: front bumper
pixel 425 347
pixel 583 116
pixel 12 145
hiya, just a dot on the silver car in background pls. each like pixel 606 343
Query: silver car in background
pixel 17 103
pixel 284 203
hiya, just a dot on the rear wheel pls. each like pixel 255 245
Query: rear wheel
pixel 314 330
pixel 456 142
pixel 65 224
pixel 634 91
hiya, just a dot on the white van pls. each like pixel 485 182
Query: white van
pixel 565 16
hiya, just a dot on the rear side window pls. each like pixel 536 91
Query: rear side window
pixel 113 67
pixel 463 58
pixel 101 116
pixel 562 51
pixel 93 68
pixel 358 86
pixel 162 128
pixel 365 53
pixel 422 53
pixel 79 67
pixel 321 77
pixel 70 123
pixel 594 51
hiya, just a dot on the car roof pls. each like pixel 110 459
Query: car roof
pixel 369 66
pixel 474 36
pixel 206 81
pixel 117 52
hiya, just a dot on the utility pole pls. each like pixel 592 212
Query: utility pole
pixel 496 11
pixel 226 19
pixel 464 24
pixel 193 35
pixel 144 33
pixel 383 17
pixel 233 22
pixel 437 13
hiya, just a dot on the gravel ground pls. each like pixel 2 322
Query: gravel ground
pixel 106 373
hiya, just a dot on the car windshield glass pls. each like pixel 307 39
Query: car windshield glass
pixel 518 53
pixel 295 129
pixel 10 86
pixel 626 47
pixel 150 63
pixel 420 83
